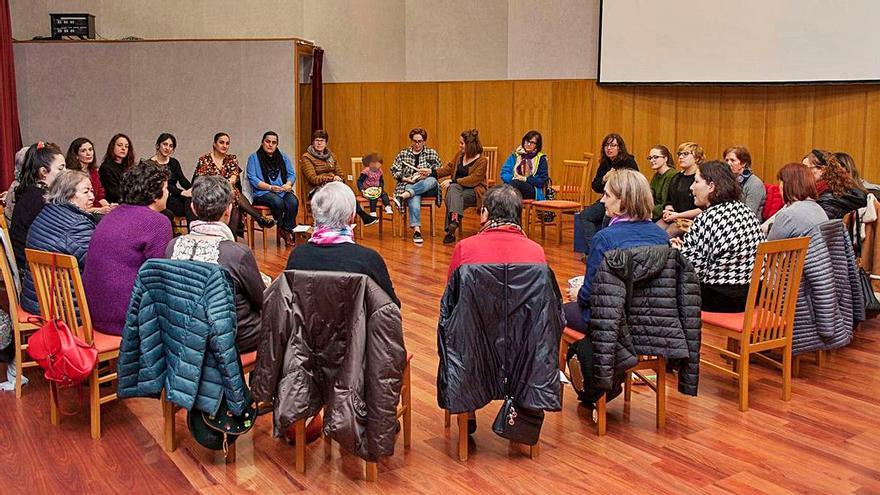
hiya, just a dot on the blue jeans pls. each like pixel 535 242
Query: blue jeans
pixel 284 208
pixel 415 202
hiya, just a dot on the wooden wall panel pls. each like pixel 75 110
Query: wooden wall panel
pixel 778 124
pixel 613 111
pixel 839 119
pixel 456 105
pixel 698 118
pixel 789 133
pixel 870 165
pixel 571 121
pixel 342 121
pixel 381 131
pixel 418 108
pixel 493 107
pixel 742 122
pixel 653 123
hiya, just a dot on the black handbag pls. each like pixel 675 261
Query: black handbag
pixel 518 424
pixel 218 431
pixel 872 305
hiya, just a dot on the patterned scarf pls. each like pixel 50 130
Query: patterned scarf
pixel 217 229
pixel 203 242
pixel 331 235
pixel 325 156
pixel 494 224
pixel 525 167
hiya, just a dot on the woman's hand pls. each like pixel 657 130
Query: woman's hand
pixel 337 178
pixel 446 183
pixel 275 189
pixel 424 172
pixel 573 293
pixel 676 242
pixel 287 187
pixel 669 216
pixel 187 193
pixel 233 179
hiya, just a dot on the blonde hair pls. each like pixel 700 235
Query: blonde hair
pixel 696 149
pixel 633 190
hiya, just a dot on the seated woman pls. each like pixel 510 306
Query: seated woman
pixel 661 163
pixel 132 233
pixel 466 183
pixel 412 169
pixel 801 212
pixel 526 168
pixel 63 226
pixel 839 193
pixel 118 158
pixel 332 247
pixel 81 156
pixel 723 241
pixel 628 202
pixel 210 240
pixel 739 160
pixel 680 205
pixel 271 176
pixel 8 196
pixel 179 187
pixel 43 163
pixel 850 165
pixel 220 162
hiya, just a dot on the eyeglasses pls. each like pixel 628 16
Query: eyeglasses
pixel 612 145
pixel 533 143
pixel 418 141
pixel 320 140
pixel 655 157
pixel 684 153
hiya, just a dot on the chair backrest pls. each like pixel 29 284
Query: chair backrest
pixel 13 281
pixel 357 165
pixel 573 183
pixel 590 196
pixel 773 290
pixel 491 154
pixel 67 289
pixel 9 281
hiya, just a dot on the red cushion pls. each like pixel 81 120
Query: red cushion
pixel 572 335
pixel 248 359
pixel 105 342
pixel 24 316
pixel 556 204
pixel 734 321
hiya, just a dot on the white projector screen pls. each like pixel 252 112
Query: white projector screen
pixel 741 41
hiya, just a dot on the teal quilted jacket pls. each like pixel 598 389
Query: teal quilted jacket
pixel 180 335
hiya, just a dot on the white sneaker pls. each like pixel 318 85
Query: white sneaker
pixel 11 372
pixel 388 210
pixel 373 214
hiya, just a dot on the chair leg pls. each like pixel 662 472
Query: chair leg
pixel 249 231
pixel 18 360
pixel 796 366
pixel 169 437
pixel 230 454
pixel 407 404
pixel 54 417
pixel 299 435
pixel 786 373
pixel 661 392
pixel 95 404
pixel 601 418
pixel 743 381
pixel 371 471
pixel 821 359
pixel 628 386
pixel 446 418
pixel 431 220
pixel 535 450
pixel 559 228
pixel 462 436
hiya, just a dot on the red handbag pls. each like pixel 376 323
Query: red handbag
pixel 67 359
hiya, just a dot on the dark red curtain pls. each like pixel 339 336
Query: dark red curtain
pixel 10 133
pixel 317 90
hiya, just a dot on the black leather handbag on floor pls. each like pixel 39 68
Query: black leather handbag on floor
pixel 518 424
pixel 872 305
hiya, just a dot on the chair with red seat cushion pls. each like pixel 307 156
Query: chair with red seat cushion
pixel 70 296
pixel 572 188
pixel 768 320
pixel 22 321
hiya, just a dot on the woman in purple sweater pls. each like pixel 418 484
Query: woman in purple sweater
pixel 132 233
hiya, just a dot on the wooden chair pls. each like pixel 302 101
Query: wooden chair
pixel 169 411
pixel 178 226
pixel 571 192
pixel 357 165
pixel 69 296
pixel 658 385
pixel 462 422
pixel 768 320
pixel 251 226
pixel 21 325
pixel 591 196
pixel 371 470
pixel 427 202
pixel 493 174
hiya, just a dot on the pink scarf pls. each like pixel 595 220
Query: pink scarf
pixel 330 235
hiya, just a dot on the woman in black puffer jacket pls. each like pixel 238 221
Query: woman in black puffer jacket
pixel 839 192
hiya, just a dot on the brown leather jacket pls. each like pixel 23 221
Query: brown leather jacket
pixel 333 340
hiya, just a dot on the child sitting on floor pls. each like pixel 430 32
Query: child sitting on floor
pixel 372 185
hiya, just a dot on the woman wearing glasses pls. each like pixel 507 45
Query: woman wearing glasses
pixel 412 169
pixel 662 164
pixel 526 168
pixel 614 157
pixel 839 193
pixel 680 209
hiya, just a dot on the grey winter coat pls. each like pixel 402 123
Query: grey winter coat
pixel 664 317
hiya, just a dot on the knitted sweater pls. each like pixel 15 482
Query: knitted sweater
pixel 123 240
pixel 660 191
pixel 318 172
pixel 722 243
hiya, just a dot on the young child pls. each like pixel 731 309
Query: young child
pixel 372 185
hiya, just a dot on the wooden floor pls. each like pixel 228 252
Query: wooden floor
pixel 826 440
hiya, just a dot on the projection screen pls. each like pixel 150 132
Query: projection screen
pixel 742 41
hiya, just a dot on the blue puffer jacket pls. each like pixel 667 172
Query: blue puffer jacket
pixel 61 229
pixel 180 334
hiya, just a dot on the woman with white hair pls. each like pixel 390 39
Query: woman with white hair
pixel 332 247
